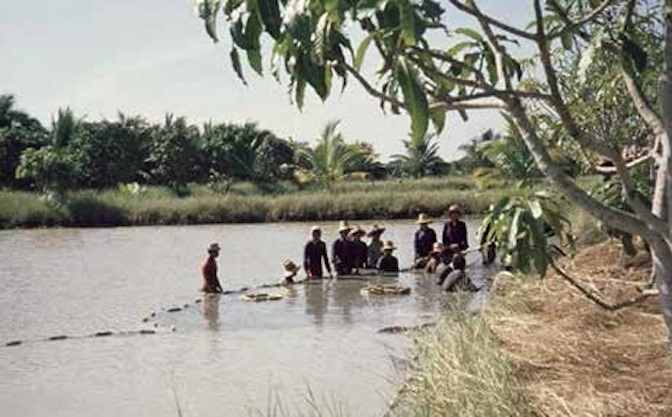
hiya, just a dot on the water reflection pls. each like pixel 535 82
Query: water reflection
pixel 316 301
pixel 211 310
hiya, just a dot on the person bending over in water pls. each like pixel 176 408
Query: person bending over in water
pixel 314 253
pixel 210 281
pixel 291 270
pixel 439 259
pixel 388 263
pixel 457 280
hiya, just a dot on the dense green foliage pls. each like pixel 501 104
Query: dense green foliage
pixel 522 228
pixel 75 153
pixel 18 132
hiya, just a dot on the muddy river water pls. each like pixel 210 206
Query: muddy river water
pixel 225 357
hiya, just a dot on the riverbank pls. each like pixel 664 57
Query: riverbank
pixel 247 203
pixel 542 349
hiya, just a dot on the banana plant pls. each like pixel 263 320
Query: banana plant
pixel 528 231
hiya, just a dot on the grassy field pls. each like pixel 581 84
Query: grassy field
pixel 246 202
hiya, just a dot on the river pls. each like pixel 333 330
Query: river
pixel 225 358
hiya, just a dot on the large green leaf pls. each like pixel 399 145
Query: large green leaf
pixel 361 51
pixel 269 10
pixel 471 33
pixel 438 119
pixel 515 227
pixel 235 61
pixel 407 19
pixel 208 11
pixel 414 99
pixel 535 208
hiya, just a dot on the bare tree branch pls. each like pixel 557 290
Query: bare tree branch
pixel 632 164
pixel 574 26
pixel 371 89
pixel 596 298
pixel 492 21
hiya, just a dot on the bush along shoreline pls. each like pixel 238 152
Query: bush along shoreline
pixel 156 206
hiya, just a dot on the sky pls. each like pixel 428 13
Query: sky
pixel 151 57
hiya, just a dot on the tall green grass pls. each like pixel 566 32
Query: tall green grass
pixel 461 370
pixel 158 205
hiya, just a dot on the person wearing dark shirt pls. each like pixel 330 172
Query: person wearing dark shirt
pixel 425 238
pixel 455 231
pixel 375 248
pixel 341 251
pixel 314 253
pixel 388 263
pixel 359 248
pixel 209 271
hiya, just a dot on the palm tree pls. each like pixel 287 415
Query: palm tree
pixel 421 158
pixel 332 158
pixel 64 127
pixel 509 155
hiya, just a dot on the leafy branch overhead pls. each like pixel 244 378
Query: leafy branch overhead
pixel 310 43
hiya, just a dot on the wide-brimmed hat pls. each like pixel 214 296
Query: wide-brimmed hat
pixel 357 231
pixel 438 247
pixel 315 229
pixel 423 219
pixel 389 245
pixel 344 226
pixel 290 267
pixel 214 247
pixel 375 230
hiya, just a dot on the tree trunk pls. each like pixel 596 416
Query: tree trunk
pixel 662 263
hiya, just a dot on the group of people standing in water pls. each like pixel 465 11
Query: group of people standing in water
pixel 350 254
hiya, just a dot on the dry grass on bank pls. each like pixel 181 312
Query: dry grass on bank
pixel 460 370
pixel 576 359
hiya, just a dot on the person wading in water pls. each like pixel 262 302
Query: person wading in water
pixel 359 249
pixel 209 270
pixel 342 251
pixel 455 231
pixel 388 262
pixel 425 238
pixel 314 253
pixel 375 249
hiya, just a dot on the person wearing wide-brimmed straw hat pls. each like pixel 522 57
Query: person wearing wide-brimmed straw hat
pixel 388 262
pixel 314 253
pixel 359 248
pixel 341 250
pixel 375 248
pixel 291 269
pixel 425 238
pixel 209 271
pixel 455 231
